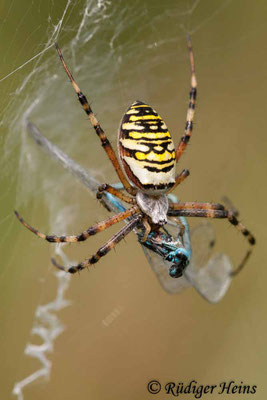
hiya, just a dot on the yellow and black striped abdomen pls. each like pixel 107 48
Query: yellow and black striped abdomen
pixel 146 149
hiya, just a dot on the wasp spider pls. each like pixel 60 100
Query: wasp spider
pixel 147 172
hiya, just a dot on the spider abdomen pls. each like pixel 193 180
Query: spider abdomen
pixel 146 149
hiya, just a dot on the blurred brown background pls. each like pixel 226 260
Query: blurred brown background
pixel 122 329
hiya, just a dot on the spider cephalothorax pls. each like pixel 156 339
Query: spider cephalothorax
pixel 148 159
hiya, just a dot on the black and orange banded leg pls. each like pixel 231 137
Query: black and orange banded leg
pixel 101 226
pixel 191 107
pixel 118 193
pixel 104 249
pixel 179 179
pixel 101 134
pixel 195 205
pixel 229 205
pixel 209 210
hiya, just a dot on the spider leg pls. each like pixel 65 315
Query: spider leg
pixel 101 134
pixel 195 205
pixel 180 178
pixel 209 210
pixel 191 107
pixel 147 229
pixel 180 224
pixel 101 226
pixel 192 205
pixel 230 205
pixel 110 189
pixel 104 249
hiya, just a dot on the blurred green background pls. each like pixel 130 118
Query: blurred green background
pixel 122 329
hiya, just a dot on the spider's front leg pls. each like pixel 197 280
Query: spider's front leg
pixel 180 224
pixel 99 131
pixel 191 107
pixel 105 248
pixel 147 230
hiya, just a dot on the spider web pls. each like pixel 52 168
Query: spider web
pixel 100 39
